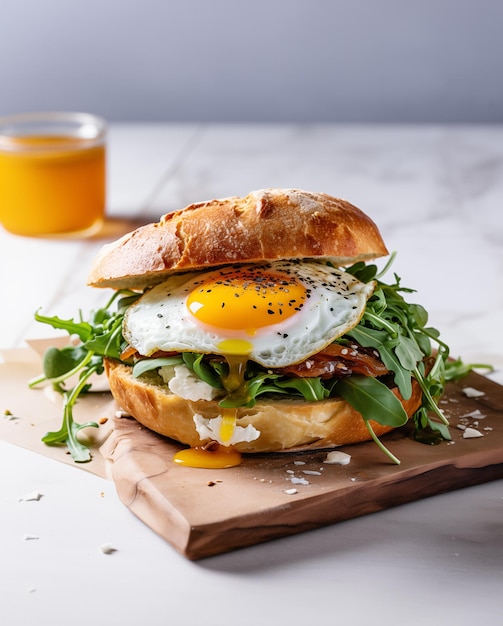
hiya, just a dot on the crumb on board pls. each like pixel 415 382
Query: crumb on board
pixel 471 392
pixel 9 415
pixel 107 548
pixel 336 457
pixel 34 496
pixel 471 433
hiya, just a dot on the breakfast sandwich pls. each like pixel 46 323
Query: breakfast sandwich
pixel 260 324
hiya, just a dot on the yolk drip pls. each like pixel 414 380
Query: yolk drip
pixel 221 458
pixel 218 457
pixel 228 423
pixel 235 385
pixel 246 300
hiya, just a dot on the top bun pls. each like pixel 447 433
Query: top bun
pixel 266 225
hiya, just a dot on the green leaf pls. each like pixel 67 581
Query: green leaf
pixel 146 365
pixel 408 353
pixel 373 400
pixel 419 315
pixel 363 272
pixel 402 377
pixel 203 369
pixel 311 389
pixel 368 337
pixel 82 329
pixel 67 434
pixel 457 369
pixel 100 336
pixel 379 339
pixel 57 362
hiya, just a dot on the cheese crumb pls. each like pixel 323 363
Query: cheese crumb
pixel 298 481
pixel 471 433
pixel 337 458
pixel 33 496
pixel 470 392
pixel 187 385
pixel 107 548
pixel 477 413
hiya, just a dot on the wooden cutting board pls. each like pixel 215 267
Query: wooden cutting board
pixel 206 512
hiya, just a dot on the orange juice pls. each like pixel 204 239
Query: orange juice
pixel 51 183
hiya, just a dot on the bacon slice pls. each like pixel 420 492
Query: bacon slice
pixel 339 361
pixel 128 353
pixel 132 353
pixel 334 361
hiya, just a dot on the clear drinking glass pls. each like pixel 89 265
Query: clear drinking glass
pixel 52 173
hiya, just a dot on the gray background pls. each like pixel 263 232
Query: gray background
pixel 260 60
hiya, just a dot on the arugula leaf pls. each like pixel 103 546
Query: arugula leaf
pixel 100 336
pixel 80 328
pixel 373 400
pixel 408 353
pixel 211 372
pixel 455 369
pixel 397 330
pixel 147 365
pixel 69 429
pixel 56 362
pixel 379 340
pixel 312 389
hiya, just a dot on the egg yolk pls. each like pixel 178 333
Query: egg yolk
pixel 247 299
pixel 221 458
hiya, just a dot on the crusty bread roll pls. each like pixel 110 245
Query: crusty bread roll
pixel 266 225
pixel 284 425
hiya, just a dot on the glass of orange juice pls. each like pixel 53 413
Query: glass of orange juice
pixel 52 174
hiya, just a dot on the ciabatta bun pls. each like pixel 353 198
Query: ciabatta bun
pixel 266 225
pixel 284 425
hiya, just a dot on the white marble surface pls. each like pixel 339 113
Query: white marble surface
pixel 436 194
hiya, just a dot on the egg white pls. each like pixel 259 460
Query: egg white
pixel 160 319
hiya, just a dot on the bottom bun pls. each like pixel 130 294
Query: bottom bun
pixel 284 425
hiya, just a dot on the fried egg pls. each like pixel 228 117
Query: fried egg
pixel 276 314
